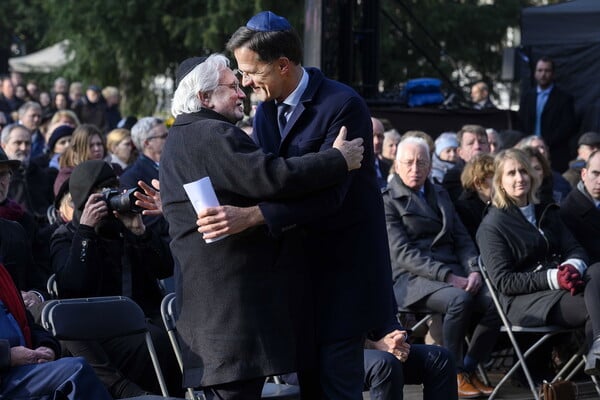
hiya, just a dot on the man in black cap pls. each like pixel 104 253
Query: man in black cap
pixel 586 145
pixel 233 295
pixel 340 245
pixel 102 252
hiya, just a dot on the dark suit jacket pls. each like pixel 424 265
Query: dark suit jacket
pixel 31 187
pixel 426 244
pixel 559 126
pixel 234 295
pixel 581 216
pixel 384 165
pixel 451 181
pixel 344 228
pixel 144 169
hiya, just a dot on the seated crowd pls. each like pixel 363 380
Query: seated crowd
pixel 466 196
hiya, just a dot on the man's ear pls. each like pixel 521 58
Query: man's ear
pixel 204 98
pixel 283 63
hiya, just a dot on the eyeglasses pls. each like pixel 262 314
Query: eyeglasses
pixel 163 136
pixel 419 163
pixel 251 75
pixel 5 174
pixel 235 86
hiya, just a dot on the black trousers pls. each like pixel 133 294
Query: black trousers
pixel 239 390
pixel 583 308
pixel 337 372
pixel 430 366
pixel 461 309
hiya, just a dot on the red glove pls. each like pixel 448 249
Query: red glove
pixel 569 278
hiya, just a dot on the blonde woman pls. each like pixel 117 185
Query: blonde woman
pixel 540 271
pixel 120 147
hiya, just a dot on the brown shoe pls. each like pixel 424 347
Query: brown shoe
pixel 466 390
pixel 482 387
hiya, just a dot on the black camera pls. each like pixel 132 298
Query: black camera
pixel 123 202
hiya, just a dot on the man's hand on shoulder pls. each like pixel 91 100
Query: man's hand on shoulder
pixel 351 150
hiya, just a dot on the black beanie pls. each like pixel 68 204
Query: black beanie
pixel 58 133
pixel 186 67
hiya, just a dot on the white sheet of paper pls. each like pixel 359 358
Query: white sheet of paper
pixel 202 195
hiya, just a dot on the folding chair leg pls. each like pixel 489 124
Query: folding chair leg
pixel 520 363
pixel 593 377
pixel 155 363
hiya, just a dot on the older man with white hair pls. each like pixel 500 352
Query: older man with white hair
pixel 434 263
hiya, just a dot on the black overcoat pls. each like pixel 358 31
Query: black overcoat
pixel 234 322
pixel 425 244
pixel 580 215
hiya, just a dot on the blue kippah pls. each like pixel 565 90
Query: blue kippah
pixel 267 21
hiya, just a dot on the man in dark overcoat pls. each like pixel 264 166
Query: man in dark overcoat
pixel 580 210
pixel 234 322
pixel 434 263
pixel 340 246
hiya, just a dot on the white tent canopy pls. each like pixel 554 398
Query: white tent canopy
pixel 44 60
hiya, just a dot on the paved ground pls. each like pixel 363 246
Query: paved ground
pixel 510 392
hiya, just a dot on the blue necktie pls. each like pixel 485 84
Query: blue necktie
pixel 282 108
pixel 542 98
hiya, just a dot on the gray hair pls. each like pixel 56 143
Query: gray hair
pixel 27 106
pixel 203 78
pixel 392 134
pixel 7 130
pixel 142 130
pixel 416 141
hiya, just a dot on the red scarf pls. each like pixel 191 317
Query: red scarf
pixel 11 210
pixel 11 297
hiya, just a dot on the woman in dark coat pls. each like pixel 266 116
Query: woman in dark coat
pixel 538 268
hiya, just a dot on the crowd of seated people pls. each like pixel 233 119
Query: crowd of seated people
pixel 49 225
pixel 553 222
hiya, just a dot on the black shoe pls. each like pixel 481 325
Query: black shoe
pixel 592 365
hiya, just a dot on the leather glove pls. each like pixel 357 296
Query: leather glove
pixel 569 278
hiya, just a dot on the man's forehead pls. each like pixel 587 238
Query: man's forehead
pixel 594 162
pixel 469 136
pixel 19 130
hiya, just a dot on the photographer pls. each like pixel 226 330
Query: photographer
pixel 105 251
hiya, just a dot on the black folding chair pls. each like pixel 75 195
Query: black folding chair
pixel 52 287
pixel 571 366
pixel 426 316
pixel 276 390
pixel 100 318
